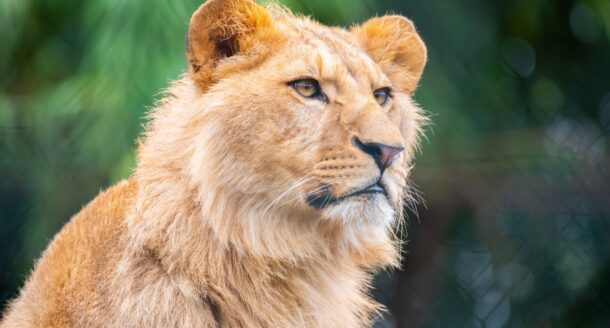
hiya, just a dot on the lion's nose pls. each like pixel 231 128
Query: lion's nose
pixel 383 154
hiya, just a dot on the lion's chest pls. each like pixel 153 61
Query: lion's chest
pixel 316 299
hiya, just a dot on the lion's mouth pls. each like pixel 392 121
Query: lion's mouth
pixel 325 199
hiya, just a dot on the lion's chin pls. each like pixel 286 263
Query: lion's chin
pixel 368 210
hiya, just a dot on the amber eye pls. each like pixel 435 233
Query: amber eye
pixel 308 88
pixel 382 95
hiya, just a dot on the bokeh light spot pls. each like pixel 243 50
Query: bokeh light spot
pixel 585 24
pixel 519 56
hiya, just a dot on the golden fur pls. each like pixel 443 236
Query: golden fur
pixel 214 226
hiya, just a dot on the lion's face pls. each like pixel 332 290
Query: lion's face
pixel 321 123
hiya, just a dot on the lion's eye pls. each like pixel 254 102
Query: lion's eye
pixel 382 95
pixel 308 88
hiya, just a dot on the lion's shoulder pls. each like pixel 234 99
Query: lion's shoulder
pixel 67 277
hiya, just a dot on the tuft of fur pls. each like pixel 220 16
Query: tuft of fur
pixel 214 227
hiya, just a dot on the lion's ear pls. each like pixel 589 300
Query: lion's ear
pixel 220 29
pixel 394 44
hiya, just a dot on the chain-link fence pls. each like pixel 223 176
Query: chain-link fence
pixel 513 240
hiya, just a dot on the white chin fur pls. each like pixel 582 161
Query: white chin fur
pixel 364 210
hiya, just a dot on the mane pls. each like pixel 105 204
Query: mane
pixel 173 209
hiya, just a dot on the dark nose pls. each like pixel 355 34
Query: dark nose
pixel 383 155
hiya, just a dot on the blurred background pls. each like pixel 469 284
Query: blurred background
pixel 515 229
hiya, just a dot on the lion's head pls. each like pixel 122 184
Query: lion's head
pixel 286 116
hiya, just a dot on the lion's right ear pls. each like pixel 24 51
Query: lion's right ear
pixel 220 29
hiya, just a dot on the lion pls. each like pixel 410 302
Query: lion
pixel 268 186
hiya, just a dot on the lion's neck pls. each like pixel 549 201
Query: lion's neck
pixel 174 215
pixel 271 277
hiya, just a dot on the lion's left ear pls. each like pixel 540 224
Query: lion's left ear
pixel 394 44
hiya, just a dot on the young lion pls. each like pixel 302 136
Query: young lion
pixel 267 185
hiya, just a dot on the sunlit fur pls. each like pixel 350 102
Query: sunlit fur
pixel 214 225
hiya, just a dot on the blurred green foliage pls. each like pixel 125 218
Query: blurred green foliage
pixel 515 171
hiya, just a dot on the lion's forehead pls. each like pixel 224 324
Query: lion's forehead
pixel 335 52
